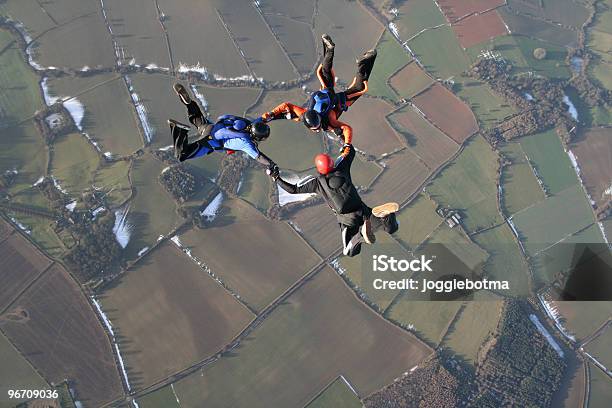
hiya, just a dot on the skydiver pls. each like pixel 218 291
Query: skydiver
pixel 230 133
pixel 325 106
pixel 357 220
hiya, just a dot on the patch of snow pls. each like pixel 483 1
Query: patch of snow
pixel 71 206
pixel 555 316
pixel 76 110
pixel 108 155
pixel 177 241
pixel 122 228
pixel 286 198
pixel 576 64
pixel 603 232
pixel 165 169
pixel 22 227
pixel 85 68
pixel 185 68
pixel 142 251
pixel 528 96
pixel 141 110
pixel 597 363
pixel 58 186
pixel 135 404
pixel 200 97
pixel 210 212
pixel 414 368
pixel 394 30
pixel 54 120
pixel 534 319
pixel 239 185
pixel 97 211
pixel 335 264
pixel 166 148
pixel 570 107
pixel 152 66
pixel 37 182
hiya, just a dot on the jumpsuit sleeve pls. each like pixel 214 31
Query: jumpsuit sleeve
pixel 347 131
pixel 234 140
pixel 309 187
pixel 285 108
pixel 345 160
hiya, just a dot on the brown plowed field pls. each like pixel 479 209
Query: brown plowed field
pixel 410 80
pixel 479 28
pixel 455 9
pixel 594 152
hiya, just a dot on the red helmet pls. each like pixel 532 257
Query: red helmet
pixel 324 163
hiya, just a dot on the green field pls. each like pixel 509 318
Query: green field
pixel 16 374
pixel 74 162
pixel 162 398
pixel 519 185
pixel 391 57
pixel 600 393
pixel 505 261
pixel 550 32
pixel 478 320
pixel 363 171
pixel 336 395
pixel 460 245
pixel 560 257
pixel 294 353
pixel 489 108
pixel 552 220
pixel 548 157
pixel 468 184
pixel 291 145
pixel 152 210
pixel 583 318
pixel 410 81
pixel 566 12
pixel 30 14
pixel 601 348
pixel 255 188
pixel 416 15
pixel 113 178
pixel 429 319
pixel 417 221
pixel 448 60
pixel 517 50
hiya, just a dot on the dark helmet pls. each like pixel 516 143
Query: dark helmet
pixel 260 131
pixel 312 119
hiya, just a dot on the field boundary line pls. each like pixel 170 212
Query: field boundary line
pixel 166 36
pixel 325 388
pixel 28 286
pixel 598 332
pixel 231 36
pixel 451 323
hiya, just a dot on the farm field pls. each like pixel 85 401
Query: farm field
pixel 371 131
pixel 549 221
pixel 221 101
pixel 296 37
pixel 74 162
pixel 6 229
pixel 583 318
pixel 80 42
pixel 565 12
pixel 488 108
pixel 520 188
pixel 456 9
pixel 594 153
pixel 67 10
pixel 255 188
pixel 152 212
pixel 338 395
pixel 22 263
pixel 417 221
pixel 363 171
pixel 410 80
pixel 468 185
pixel 109 117
pixel 187 26
pixel 460 245
pixel 574 389
pixel 505 261
pixel 162 398
pixel 113 178
pixel 428 319
pixel 20 96
pixel 403 175
pixel 601 348
pixel 319 227
pixel 266 266
pixel 391 58
pixel 262 52
pixel 17 374
pixel 169 313
pixel 422 138
pixel 79 350
pixel 478 318
pixel 282 369
pixel 338 19
pixel 447 112
pixel 138 32
pixel 547 156
pixel 30 14
pixel 549 32
pixel 601 387
pixel 291 145
pixel 478 28
pixel 448 61
pixel 415 16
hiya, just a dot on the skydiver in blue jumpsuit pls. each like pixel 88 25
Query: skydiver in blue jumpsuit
pixel 229 133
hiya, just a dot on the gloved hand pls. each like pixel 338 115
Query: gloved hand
pixel 273 171
pixel 267 117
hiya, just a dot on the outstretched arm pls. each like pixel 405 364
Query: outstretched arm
pixel 347 131
pixel 344 161
pixel 310 186
pixel 285 108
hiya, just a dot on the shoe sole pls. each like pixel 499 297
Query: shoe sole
pixel 178 124
pixel 385 209
pixel 182 93
pixel 367 233
pixel 327 41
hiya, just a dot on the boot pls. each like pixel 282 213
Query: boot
pixel 328 43
pixel 179 136
pixel 367 231
pixel 182 93
pixel 365 63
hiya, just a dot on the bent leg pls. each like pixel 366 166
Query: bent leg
pixel 325 71
pixel 196 149
pixel 195 115
pixel 351 240
pixel 359 86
